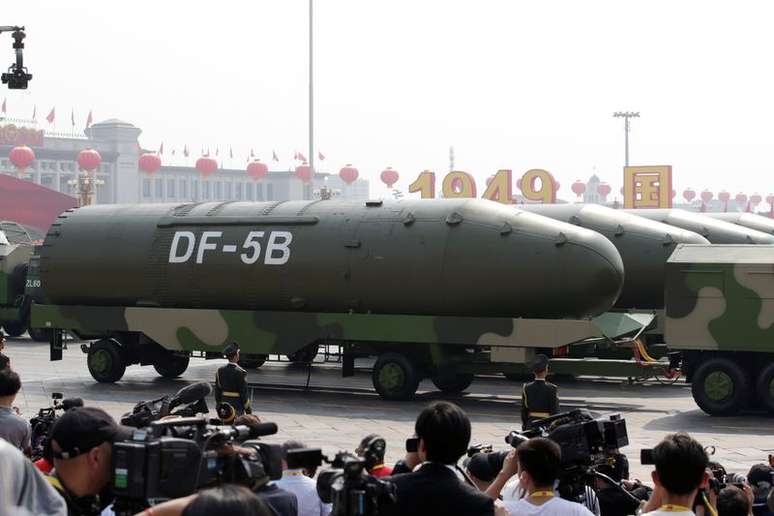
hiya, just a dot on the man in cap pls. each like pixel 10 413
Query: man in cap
pixel 539 398
pixel 231 382
pixel 81 443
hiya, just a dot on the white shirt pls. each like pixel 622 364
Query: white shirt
pixel 659 512
pixel 305 489
pixel 553 507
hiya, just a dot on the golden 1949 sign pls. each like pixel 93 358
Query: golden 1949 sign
pixel 644 187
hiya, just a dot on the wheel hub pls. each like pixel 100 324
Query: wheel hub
pixel 719 386
pixel 100 361
pixel 391 376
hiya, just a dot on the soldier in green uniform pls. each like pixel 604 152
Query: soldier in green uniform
pixel 231 383
pixel 539 398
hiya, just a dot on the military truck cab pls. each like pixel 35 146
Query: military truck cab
pixel 720 317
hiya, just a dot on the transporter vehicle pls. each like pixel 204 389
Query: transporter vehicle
pixel 748 220
pixel 713 229
pixel 720 318
pixel 439 289
pixel 17 289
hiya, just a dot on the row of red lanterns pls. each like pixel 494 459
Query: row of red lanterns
pixel 23 156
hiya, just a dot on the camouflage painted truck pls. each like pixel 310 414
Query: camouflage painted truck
pixel 720 319
pixel 439 289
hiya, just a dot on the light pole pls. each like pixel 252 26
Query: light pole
pixel 626 115
pixel 311 91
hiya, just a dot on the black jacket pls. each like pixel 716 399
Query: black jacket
pixel 231 387
pixel 435 489
pixel 539 399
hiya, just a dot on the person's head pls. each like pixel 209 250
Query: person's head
pixel 372 448
pixel 539 463
pixel 232 352
pixel 760 479
pixel 230 499
pixel 443 430
pixel 732 501
pixel 2 340
pixel 10 384
pixel 81 443
pixel 539 366
pixel 286 447
pixel 484 467
pixel 681 464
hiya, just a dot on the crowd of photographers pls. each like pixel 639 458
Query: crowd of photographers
pixel 88 464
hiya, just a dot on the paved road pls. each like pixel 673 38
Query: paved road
pixel 334 420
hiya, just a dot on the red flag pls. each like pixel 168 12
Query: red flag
pixel 275 158
pixel 51 116
pixel 301 157
pixel 185 150
pixel 4 105
pixel 161 148
pixel 72 117
pixel 320 156
pixel 89 120
pixel 35 112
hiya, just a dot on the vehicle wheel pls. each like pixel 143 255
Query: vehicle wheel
pixel 452 383
pixel 304 355
pixel 105 362
pixel 720 387
pixel 15 329
pixel 765 388
pixel 171 365
pixel 395 377
pixel 252 361
pixel 39 334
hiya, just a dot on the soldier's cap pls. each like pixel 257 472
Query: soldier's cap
pixel 82 428
pixel 231 349
pixel 539 363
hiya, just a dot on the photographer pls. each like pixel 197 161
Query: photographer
pixel 436 486
pixel 760 479
pixel 294 480
pixel 681 470
pixel 228 499
pixel 23 490
pixel 372 448
pixel 81 444
pixel 5 362
pixel 13 428
pixel 539 465
pixel 733 501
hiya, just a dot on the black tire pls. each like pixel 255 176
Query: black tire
pixel 252 361
pixel 304 355
pixel 15 329
pixel 452 383
pixel 395 377
pixel 764 387
pixel 39 334
pixel 720 387
pixel 171 365
pixel 105 361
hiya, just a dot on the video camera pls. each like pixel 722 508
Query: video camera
pixel 176 457
pixel 44 421
pixel 586 443
pixel 345 485
pixel 17 77
pixel 187 402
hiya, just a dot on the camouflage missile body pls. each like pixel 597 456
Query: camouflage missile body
pixel 748 220
pixel 720 315
pixel 13 275
pixel 644 245
pixel 714 230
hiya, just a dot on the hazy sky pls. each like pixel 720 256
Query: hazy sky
pixel 510 84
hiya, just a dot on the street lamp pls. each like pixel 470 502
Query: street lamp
pixel 626 115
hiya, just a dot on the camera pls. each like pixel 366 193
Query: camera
pixel 187 402
pixel 17 77
pixel 44 421
pixel 345 485
pixel 176 457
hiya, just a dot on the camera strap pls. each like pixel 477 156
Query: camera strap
pixel 674 508
pixel 544 494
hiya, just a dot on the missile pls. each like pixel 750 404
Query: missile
pixel 748 220
pixel 714 230
pixel 461 257
pixel 644 245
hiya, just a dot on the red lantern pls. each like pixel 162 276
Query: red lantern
pixel 724 196
pixel 89 159
pixel 389 176
pixel 689 195
pixel 348 174
pixel 578 188
pixel 770 200
pixel 150 163
pixel 257 170
pixel 741 199
pixel 604 189
pixel 707 196
pixel 22 157
pixel 755 199
pixel 206 165
pixel 304 172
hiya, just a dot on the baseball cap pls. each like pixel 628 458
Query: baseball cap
pixel 82 428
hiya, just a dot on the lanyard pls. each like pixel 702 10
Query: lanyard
pixel 546 494
pixel 674 508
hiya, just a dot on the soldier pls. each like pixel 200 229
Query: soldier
pixel 230 382
pixel 539 398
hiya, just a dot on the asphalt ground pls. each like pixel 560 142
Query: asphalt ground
pixel 335 412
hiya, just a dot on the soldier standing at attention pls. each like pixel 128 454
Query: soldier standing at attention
pixel 539 398
pixel 231 383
